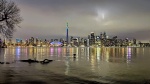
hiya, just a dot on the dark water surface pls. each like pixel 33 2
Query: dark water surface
pixel 90 66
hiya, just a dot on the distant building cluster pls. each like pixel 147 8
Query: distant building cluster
pixel 37 42
pixel 101 40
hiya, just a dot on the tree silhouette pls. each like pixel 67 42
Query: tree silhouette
pixel 9 18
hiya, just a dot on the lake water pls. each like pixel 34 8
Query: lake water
pixel 90 66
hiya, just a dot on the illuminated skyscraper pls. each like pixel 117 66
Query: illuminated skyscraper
pixel 92 39
pixel 67 34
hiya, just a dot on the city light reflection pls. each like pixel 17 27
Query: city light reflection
pixel 52 51
pixel 77 51
pixel 107 55
pixel 93 59
pixel 59 51
pixel 18 53
pixel 129 55
pixel 88 53
pixel 98 54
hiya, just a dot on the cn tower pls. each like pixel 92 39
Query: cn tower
pixel 67 34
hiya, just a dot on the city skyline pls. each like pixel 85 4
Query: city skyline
pixel 48 18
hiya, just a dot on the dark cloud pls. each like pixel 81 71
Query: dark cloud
pixel 117 17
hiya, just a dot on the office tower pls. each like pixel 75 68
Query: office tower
pixel 134 41
pixel 92 42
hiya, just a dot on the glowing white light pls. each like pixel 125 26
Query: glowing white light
pixel 103 15
pixel 100 15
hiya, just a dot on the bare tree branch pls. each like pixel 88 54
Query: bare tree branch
pixel 9 18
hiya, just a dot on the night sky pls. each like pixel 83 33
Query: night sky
pixel 48 18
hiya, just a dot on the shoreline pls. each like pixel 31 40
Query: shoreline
pixel 80 47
